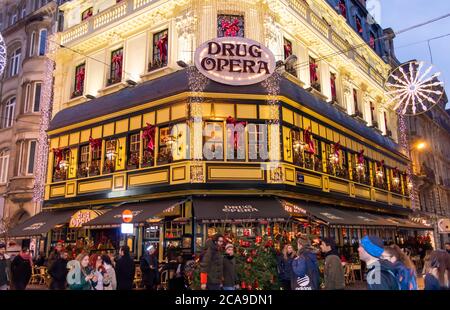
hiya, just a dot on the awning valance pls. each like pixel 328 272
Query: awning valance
pixel 242 208
pixel 407 224
pixel 142 212
pixel 40 224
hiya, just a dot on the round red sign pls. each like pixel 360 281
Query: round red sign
pixel 127 216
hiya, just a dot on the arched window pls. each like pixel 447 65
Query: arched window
pixel 4 162
pixel 32 44
pixel 42 41
pixel 8 113
pixel 14 65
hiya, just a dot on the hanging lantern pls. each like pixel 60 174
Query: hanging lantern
pixel 63 164
pixel 258 239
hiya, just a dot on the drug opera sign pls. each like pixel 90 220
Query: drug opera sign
pixel 235 61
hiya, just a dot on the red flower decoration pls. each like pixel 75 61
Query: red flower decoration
pixel 230 29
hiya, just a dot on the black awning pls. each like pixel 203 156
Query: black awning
pixel 142 212
pixel 407 224
pixel 335 216
pixel 41 223
pixel 241 208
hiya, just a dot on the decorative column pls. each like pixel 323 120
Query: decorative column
pixel 273 37
pixel 347 101
pixel 366 108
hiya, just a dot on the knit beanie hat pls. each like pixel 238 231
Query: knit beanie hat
pixel 229 245
pixel 373 245
pixel 303 240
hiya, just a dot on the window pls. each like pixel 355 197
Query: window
pixel 21 148
pixel 356 103
pixel 23 13
pixel 160 50
pixel 31 156
pixel 8 113
pixel 230 25
pixel 4 163
pixel 78 87
pixel 15 62
pixel 115 73
pixel 372 40
pixel 359 27
pixel 87 13
pixel 42 42
pixel 26 107
pixel 165 145
pixel 333 87
pixel 110 156
pixel 133 151
pixel 372 114
pixel 342 8
pixel 94 168
pixel 60 164
pixel 388 131
pixel 32 43
pixel 213 141
pixel 288 52
pixel 37 97
pixel 314 74
pixel 258 142
pixel 83 161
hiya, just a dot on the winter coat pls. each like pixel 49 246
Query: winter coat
pixel 5 270
pixel 405 276
pixel 285 272
pixel 212 263
pixel 333 273
pixel 83 285
pixel 58 273
pixel 112 275
pixel 230 276
pixel 21 272
pixel 149 269
pixel 125 273
pixel 431 283
pixel 306 271
pixel 382 276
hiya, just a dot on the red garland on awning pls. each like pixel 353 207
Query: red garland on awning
pixel 231 120
pixel 149 134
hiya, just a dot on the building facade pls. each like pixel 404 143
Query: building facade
pixel 25 26
pixel 136 126
pixel 430 168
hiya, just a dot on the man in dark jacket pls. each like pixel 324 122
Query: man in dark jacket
pixel 333 270
pixel 380 273
pixel 58 272
pixel 230 277
pixel 5 268
pixel 305 267
pixel 55 254
pixel 21 269
pixel 211 267
pixel 149 269
pixel 125 269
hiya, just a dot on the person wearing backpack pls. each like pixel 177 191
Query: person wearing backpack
pixel 305 267
pixel 405 268
pixel 381 273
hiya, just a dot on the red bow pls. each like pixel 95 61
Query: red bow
pixel 337 148
pixel 231 29
pixel 59 155
pixel 358 25
pixel 343 8
pixel 333 87
pixel 372 42
pixel 313 72
pixel 287 50
pixel 361 157
pixel 149 134
pixel 95 143
pixel 231 120
pixel 309 140
pixel 395 172
pixel 117 60
pixel 162 47
pixel 80 80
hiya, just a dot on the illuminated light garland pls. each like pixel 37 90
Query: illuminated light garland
pixel 404 142
pixel 46 115
pixel 414 88
pixel 272 85
pixel 2 55
pixel 197 84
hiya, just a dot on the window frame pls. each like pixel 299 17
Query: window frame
pixel 113 68
pixel 32 50
pixel 42 47
pixel 26 106
pixel 154 62
pixel 36 84
pixel 15 62
pixel 31 158
pixel 8 111
pixel 204 139
pixel 4 166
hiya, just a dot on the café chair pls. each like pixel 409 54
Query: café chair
pixel 137 278
pixel 165 279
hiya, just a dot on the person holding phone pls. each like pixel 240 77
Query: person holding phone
pixel 81 276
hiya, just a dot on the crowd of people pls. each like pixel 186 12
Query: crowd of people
pixel 388 268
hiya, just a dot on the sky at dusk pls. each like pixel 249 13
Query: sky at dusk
pixel 401 14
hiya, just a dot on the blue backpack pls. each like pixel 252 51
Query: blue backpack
pixel 406 278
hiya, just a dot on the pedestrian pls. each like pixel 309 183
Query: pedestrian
pixel 447 247
pixel 55 254
pixel 178 283
pixel 81 276
pixel 284 266
pixel 21 269
pixel 380 273
pixel 58 272
pixel 110 273
pixel 211 266
pixel 96 263
pixel 334 277
pixel 230 275
pixel 5 268
pixel 305 266
pixel 125 269
pixel 437 270
pixel 405 268
pixel 149 268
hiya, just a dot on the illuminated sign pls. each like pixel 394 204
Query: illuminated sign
pixel 126 228
pixel 35 226
pixel 444 226
pixel 235 61
pixel 81 217
pixel 239 208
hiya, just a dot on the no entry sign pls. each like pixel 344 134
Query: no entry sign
pixel 127 216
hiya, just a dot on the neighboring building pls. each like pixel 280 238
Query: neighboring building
pixel 25 26
pixel 126 124
pixel 431 167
